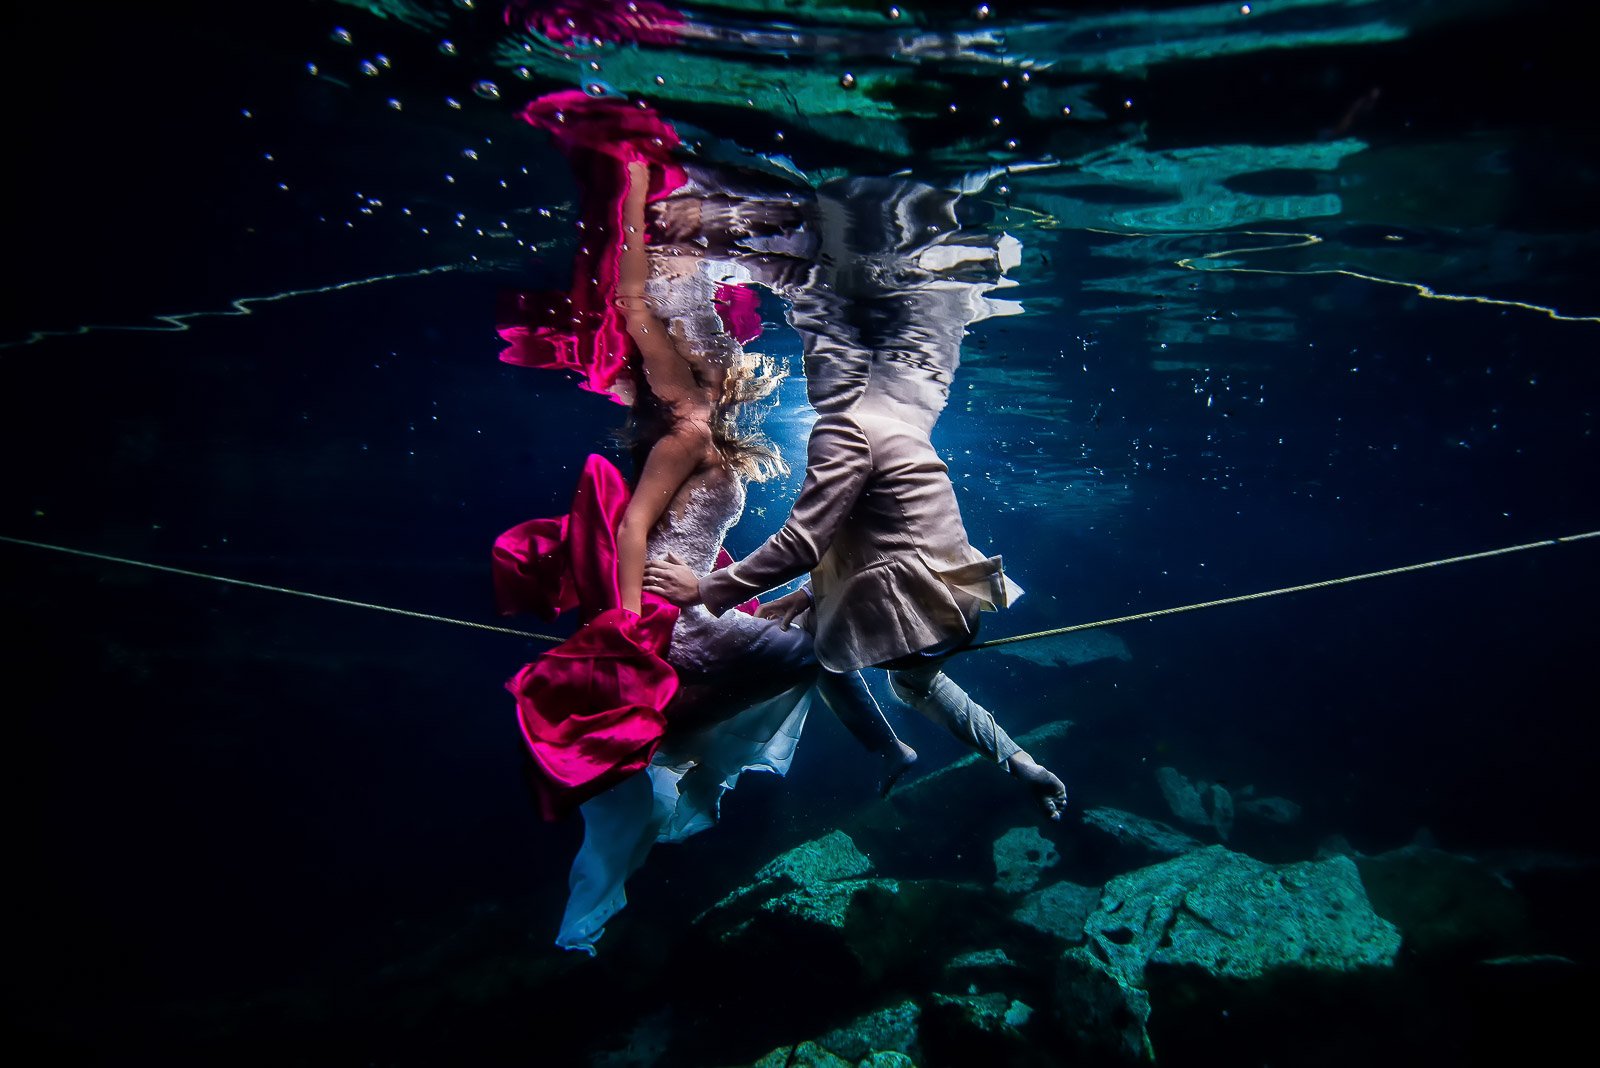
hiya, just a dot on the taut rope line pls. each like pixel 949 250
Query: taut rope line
pixel 1274 593
pixel 282 589
pixel 967 649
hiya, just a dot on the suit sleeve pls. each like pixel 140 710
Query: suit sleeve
pixel 838 462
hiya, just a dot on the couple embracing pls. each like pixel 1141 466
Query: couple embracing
pixel 671 687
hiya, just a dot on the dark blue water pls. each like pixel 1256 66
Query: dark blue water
pixel 250 827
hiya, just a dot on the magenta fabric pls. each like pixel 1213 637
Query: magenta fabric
pixel 582 330
pixel 724 560
pixel 740 311
pixel 593 709
pixel 564 21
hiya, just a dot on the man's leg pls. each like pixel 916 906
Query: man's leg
pixel 936 695
pixel 847 695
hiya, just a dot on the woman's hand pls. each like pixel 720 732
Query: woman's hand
pixel 785 608
pixel 672 581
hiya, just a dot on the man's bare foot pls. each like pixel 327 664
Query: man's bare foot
pixel 896 764
pixel 1049 791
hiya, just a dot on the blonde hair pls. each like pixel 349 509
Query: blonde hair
pixel 735 429
pixel 734 424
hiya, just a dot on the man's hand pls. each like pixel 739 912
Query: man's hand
pixel 785 608
pixel 672 581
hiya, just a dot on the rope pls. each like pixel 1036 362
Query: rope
pixel 1274 593
pixel 283 589
pixel 993 643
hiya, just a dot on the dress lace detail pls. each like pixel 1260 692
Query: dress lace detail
pixel 706 646
pixel 686 303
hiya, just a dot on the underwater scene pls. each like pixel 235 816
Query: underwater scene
pixel 802 533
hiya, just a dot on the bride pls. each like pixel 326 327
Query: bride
pixel 744 682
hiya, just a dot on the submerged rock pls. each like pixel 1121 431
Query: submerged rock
pixel 1445 903
pixel 1199 803
pixel 802 1055
pixel 1224 917
pixel 825 904
pixel 1221 811
pixel 980 967
pixel 978 1028
pixel 1278 810
pixel 887 1059
pixel 1182 797
pixel 645 1045
pixel 1065 650
pixel 1153 835
pixel 1102 1011
pixel 833 856
pixel 1245 919
pixel 1059 909
pixel 1336 845
pixel 891 1030
pixel 1020 856
pixel 810 909
pixel 887 1038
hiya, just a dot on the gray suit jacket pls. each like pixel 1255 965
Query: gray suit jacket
pixel 881 315
pixel 877 525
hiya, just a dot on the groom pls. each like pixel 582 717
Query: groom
pixel 895 583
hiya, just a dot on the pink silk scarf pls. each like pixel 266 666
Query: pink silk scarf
pixel 593 709
pixel 583 330
pixel 567 22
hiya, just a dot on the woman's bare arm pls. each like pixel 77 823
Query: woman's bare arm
pixel 666 372
pixel 672 461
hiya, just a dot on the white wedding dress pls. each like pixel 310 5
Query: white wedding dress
pixel 680 792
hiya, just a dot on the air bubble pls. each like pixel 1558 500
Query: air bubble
pixel 369 68
pixel 469 153
pixel 383 61
pixel 595 89
pixel 981 11
pixel 847 80
pixel 340 35
pixel 464 5
pixel 311 69
pixel 486 89
pixel 660 80
pixel 452 102
pixel 447 47
pixel 394 103
pixel 894 12
pixel 524 73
